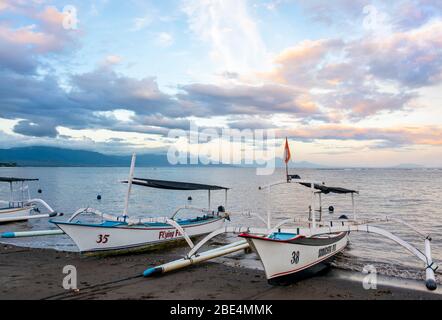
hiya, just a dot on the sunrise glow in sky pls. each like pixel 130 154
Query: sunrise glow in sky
pixel 350 82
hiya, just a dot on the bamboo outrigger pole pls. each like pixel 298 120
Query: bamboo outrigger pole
pixel 24 234
pixel 207 255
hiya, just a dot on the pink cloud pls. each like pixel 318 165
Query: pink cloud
pixel 412 58
pixel 248 99
pixel 349 77
pixel 51 18
pixel 26 36
pixel 297 64
pixel 44 33
pixel 396 136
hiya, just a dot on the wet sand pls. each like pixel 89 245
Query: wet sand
pixel 38 274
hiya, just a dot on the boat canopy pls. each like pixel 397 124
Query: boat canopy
pixel 325 189
pixel 174 185
pixel 12 179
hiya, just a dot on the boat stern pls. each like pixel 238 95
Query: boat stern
pixel 284 254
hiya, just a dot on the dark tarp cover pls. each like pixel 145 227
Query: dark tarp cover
pixel 173 185
pixel 325 189
pixel 11 179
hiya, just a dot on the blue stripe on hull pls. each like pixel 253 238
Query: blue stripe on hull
pixel 144 226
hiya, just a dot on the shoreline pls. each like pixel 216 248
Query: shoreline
pixel 36 274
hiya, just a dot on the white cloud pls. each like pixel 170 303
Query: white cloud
pixel 164 39
pixel 121 115
pixel 141 22
pixel 112 60
pixel 236 44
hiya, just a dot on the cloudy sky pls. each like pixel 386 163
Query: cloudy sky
pixel 350 82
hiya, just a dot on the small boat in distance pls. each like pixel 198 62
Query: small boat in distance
pixel 116 233
pixel 20 206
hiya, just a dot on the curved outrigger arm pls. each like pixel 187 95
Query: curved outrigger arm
pixel 42 202
pixel 291 180
pixel 171 222
pixel 31 202
pixel 213 234
pixel 193 256
pixel 273 184
pixel 226 229
pixel 174 224
pixel 387 218
pixel 85 210
pixel 430 266
pixel 166 220
pixel 390 218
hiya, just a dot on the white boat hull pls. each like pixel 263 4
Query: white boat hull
pixel 19 214
pixel 89 238
pixel 282 259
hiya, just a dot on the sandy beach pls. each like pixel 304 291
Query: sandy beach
pixel 38 274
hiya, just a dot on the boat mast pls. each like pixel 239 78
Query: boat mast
pixel 269 210
pixel 129 184
pixel 287 172
pixel 29 193
pixel 225 198
pixel 353 205
pixel 209 199
pixel 11 196
pixel 313 206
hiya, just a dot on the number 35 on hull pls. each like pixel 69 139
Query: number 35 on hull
pixel 119 235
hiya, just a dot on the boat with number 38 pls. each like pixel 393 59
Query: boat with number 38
pixel 289 253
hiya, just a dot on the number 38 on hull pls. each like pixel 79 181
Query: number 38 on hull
pixel 287 256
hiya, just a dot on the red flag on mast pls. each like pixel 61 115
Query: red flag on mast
pixel 287 155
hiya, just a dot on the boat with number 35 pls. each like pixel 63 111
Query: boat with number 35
pixel 122 232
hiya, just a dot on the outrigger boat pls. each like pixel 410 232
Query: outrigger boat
pixel 306 251
pixel 124 232
pixel 287 254
pixel 21 207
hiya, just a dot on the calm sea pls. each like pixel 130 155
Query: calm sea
pixel 414 195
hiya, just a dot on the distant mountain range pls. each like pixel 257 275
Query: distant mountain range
pixel 41 156
pixel 408 166
pixel 301 164
pixel 49 156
